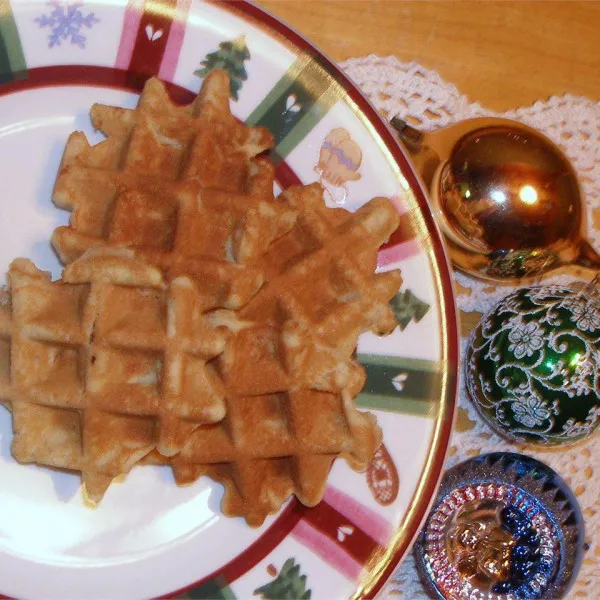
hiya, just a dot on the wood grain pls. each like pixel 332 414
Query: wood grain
pixel 502 54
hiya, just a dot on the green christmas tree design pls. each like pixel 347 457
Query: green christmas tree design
pixel 288 585
pixel 230 57
pixel 407 307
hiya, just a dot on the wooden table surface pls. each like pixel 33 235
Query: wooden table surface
pixel 502 54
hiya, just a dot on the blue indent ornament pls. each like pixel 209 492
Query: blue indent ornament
pixel 504 526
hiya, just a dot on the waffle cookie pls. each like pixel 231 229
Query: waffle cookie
pixel 200 322
pixel 106 365
pixel 327 261
pixel 271 447
pixel 180 185
pixel 288 370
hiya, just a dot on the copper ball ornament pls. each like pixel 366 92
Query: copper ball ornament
pixel 505 196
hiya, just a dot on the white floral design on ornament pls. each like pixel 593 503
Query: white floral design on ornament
pixel 530 410
pixel 580 382
pixel 510 304
pixel 574 429
pixel 525 339
pixel 585 314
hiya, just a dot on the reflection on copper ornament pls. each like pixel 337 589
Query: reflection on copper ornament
pixel 382 477
pixel 340 158
pixel 505 196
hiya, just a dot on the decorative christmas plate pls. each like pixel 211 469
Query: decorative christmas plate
pixel 149 537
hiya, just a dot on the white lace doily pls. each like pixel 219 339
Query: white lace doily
pixel 421 97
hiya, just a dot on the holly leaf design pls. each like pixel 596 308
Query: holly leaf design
pixel 407 307
pixel 288 585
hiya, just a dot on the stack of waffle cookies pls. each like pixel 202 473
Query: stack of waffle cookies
pixel 199 322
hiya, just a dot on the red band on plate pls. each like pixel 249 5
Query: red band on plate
pixel 175 41
pixel 335 537
pixel 145 44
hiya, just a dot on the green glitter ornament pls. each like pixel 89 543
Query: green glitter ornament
pixel 532 366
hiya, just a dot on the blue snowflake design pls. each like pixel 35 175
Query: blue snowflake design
pixel 65 23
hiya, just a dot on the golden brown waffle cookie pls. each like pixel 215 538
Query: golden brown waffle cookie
pixel 180 185
pixel 288 370
pixel 106 364
pixel 325 266
pixel 271 447
pixel 221 340
pixel 283 384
